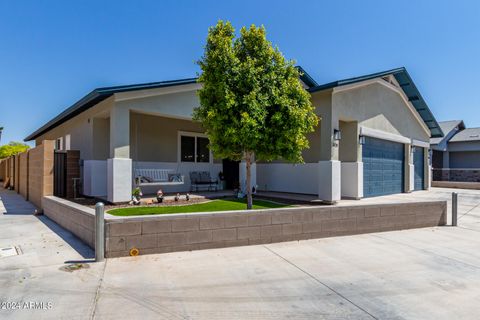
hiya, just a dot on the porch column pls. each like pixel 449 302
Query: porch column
pixel 350 156
pixel 119 166
pixel 329 167
pixel 427 169
pixel 409 169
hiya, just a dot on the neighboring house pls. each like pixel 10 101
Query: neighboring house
pixel 372 139
pixel 457 154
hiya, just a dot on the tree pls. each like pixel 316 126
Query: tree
pixel 252 104
pixel 12 148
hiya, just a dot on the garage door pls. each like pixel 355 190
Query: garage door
pixel 383 167
pixel 419 168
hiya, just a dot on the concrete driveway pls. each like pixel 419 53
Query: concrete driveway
pixel 431 273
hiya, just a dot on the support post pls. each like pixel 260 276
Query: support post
pixel 454 208
pixel 99 232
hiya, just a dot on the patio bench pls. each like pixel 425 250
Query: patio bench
pixel 200 179
pixel 157 177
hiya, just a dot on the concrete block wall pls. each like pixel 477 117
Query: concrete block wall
pixel 78 219
pixel 40 172
pixel 3 168
pixel 180 232
pixel 11 170
pixel 16 172
pixel 23 175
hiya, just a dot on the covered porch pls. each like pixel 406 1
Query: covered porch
pixel 142 147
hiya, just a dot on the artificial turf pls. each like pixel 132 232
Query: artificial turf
pixel 214 205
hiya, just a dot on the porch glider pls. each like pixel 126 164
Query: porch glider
pixel 157 177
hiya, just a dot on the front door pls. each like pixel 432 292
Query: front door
pixel 231 173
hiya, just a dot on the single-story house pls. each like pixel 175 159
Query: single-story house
pixel 456 156
pixel 373 139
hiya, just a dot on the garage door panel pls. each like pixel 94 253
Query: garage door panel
pixel 383 163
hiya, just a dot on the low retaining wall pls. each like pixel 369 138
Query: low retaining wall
pixel 455 184
pixel 77 219
pixel 180 232
pixel 184 232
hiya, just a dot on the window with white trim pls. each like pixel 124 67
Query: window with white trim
pixel 194 148
pixel 59 144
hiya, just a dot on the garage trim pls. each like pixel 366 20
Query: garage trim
pixel 418 143
pixel 379 134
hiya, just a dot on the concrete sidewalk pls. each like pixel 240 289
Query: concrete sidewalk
pixel 431 273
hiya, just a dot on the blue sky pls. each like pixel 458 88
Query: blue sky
pixel 54 52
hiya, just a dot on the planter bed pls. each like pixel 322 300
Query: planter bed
pixel 205 206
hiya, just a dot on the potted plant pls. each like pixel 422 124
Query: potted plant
pixel 159 196
pixel 136 195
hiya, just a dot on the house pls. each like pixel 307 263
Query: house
pixel 456 156
pixel 372 139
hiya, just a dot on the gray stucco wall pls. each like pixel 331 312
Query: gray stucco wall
pixel 377 107
pixel 154 138
pixel 465 159
pixel 80 129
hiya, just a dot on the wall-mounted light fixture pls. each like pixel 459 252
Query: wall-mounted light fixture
pixel 361 140
pixel 337 135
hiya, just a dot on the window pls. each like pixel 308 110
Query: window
pixel 67 142
pixel 203 154
pixel 194 148
pixel 187 149
pixel 58 144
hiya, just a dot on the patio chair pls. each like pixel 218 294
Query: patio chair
pixel 200 179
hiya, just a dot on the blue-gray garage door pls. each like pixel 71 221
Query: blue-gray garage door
pixel 419 168
pixel 383 167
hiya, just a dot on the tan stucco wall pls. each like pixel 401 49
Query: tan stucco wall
pixel 155 138
pixel 80 129
pixel 377 107
pixel 101 138
pixel 349 148
pixel 322 102
pixel 173 104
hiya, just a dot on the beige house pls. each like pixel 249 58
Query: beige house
pixel 371 131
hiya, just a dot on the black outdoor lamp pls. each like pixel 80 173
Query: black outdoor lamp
pixel 361 140
pixel 337 135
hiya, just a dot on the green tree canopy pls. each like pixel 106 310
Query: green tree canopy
pixel 12 148
pixel 252 103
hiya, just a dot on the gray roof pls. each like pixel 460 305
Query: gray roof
pixel 446 127
pixel 470 134
pixel 98 95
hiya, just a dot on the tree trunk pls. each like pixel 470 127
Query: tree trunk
pixel 248 161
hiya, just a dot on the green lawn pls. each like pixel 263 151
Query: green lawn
pixel 215 205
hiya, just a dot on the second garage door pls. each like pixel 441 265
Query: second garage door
pixel 383 167
pixel 418 165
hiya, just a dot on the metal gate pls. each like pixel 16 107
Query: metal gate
pixel 60 174
pixel 383 167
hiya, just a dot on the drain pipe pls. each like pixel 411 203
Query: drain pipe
pixel 99 232
pixel 454 209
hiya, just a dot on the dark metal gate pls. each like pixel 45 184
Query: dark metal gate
pixel 60 174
